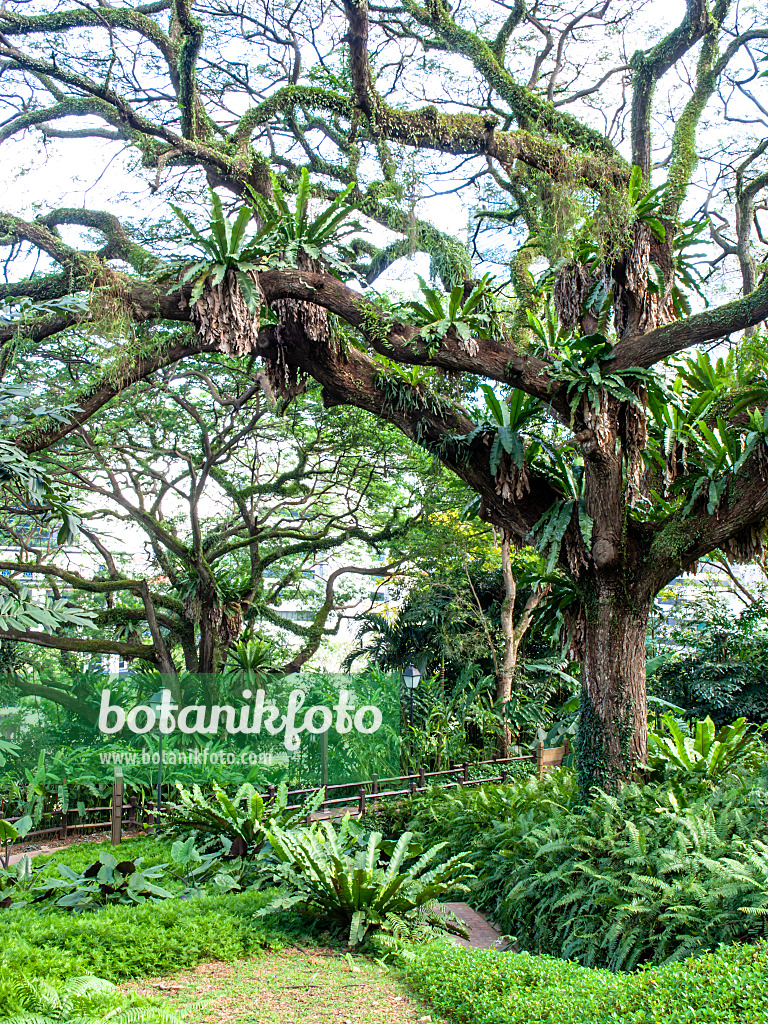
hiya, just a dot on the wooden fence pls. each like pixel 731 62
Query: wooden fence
pixel 355 799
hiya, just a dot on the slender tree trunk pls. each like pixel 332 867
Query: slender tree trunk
pixel 509 657
pixel 613 710
pixel 513 636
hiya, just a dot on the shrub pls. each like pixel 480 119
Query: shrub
pixel 485 987
pixel 240 823
pixel 341 877
pixel 105 881
pixel 709 755
pixel 25 1000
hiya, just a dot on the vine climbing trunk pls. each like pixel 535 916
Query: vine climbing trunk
pixel 613 716
pixel 613 727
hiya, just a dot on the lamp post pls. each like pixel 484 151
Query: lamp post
pixel 155 702
pixel 411 678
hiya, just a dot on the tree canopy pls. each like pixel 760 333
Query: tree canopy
pixel 614 168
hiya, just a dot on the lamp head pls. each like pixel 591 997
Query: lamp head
pixel 411 677
pixel 156 700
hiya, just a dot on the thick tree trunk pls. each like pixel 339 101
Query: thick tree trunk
pixel 613 729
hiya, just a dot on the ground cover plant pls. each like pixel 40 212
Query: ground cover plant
pixel 729 986
pixel 290 986
pixel 123 942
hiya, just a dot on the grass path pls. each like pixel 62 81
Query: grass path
pixel 289 987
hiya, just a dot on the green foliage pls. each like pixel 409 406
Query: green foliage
pixel 34 502
pixel 105 881
pixel 715 455
pixel 288 235
pixel 650 875
pixel 22 611
pixel 16 881
pixel 241 823
pixel 78 856
pixel 708 756
pixel 363 884
pixel 471 986
pixel 699 452
pixel 123 942
pixel 548 332
pixel 646 206
pixel 548 532
pixel 721 666
pixel 505 419
pixel 225 248
pixel 583 371
pixel 30 1000
pixel 11 831
pixel 435 317
pixel 23 481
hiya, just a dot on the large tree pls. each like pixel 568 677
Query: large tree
pixel 552 119
pixel 205 510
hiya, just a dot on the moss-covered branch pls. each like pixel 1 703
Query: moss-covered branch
pixel 649 66
pixel 531 112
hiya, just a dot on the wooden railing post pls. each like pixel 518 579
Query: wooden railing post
pixel 540 760
pixel 465 767
pixel 132 810
pixel 63 829
pixel 375 789
pixel 361 801
pixel 117 807
pixel 422 777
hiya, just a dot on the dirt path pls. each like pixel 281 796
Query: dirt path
pixel 318 986
pixel 38 849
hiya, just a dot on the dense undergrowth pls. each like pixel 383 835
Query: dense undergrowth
pixel 122 942
pixel 654 874
pixel 650 906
